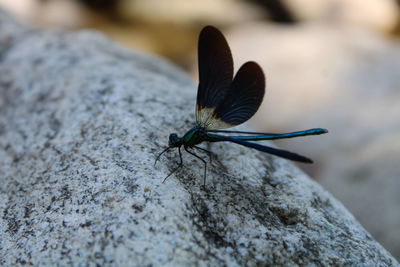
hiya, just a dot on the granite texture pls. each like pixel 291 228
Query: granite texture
pixel 81 122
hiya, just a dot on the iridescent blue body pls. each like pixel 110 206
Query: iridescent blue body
pixel 197 135
pixel 194 136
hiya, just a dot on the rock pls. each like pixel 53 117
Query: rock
pixel 82 120
pixel 344 79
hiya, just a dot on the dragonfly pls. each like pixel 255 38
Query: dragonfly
pixel 224 101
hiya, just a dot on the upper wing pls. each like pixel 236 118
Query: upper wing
pixel 243 98
pixel 215 72
pixel 240 101
pixel 221 102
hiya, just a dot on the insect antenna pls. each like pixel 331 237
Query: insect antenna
pixel 159 155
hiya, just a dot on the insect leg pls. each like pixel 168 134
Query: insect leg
pixel 180 165
pixel 205 150
pixel 205 163
pixel 159 155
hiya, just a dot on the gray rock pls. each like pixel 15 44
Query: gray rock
pixel 82 120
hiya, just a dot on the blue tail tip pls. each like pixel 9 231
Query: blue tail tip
pixel 322 131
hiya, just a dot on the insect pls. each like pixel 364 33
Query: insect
pixel 224 102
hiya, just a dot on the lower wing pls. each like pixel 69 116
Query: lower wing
pixel 270 150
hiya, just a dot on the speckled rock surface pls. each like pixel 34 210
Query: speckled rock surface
pixel 81 121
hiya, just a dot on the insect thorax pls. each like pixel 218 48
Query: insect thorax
pixel 194 136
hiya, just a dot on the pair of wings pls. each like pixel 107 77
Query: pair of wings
pixel 224 101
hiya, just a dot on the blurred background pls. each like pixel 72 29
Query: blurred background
pixel 329 63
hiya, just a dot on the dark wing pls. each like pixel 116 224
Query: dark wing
pixel 242 99
pixel 215 72
pixel 274 151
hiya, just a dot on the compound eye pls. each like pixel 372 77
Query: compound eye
pixel 173 139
